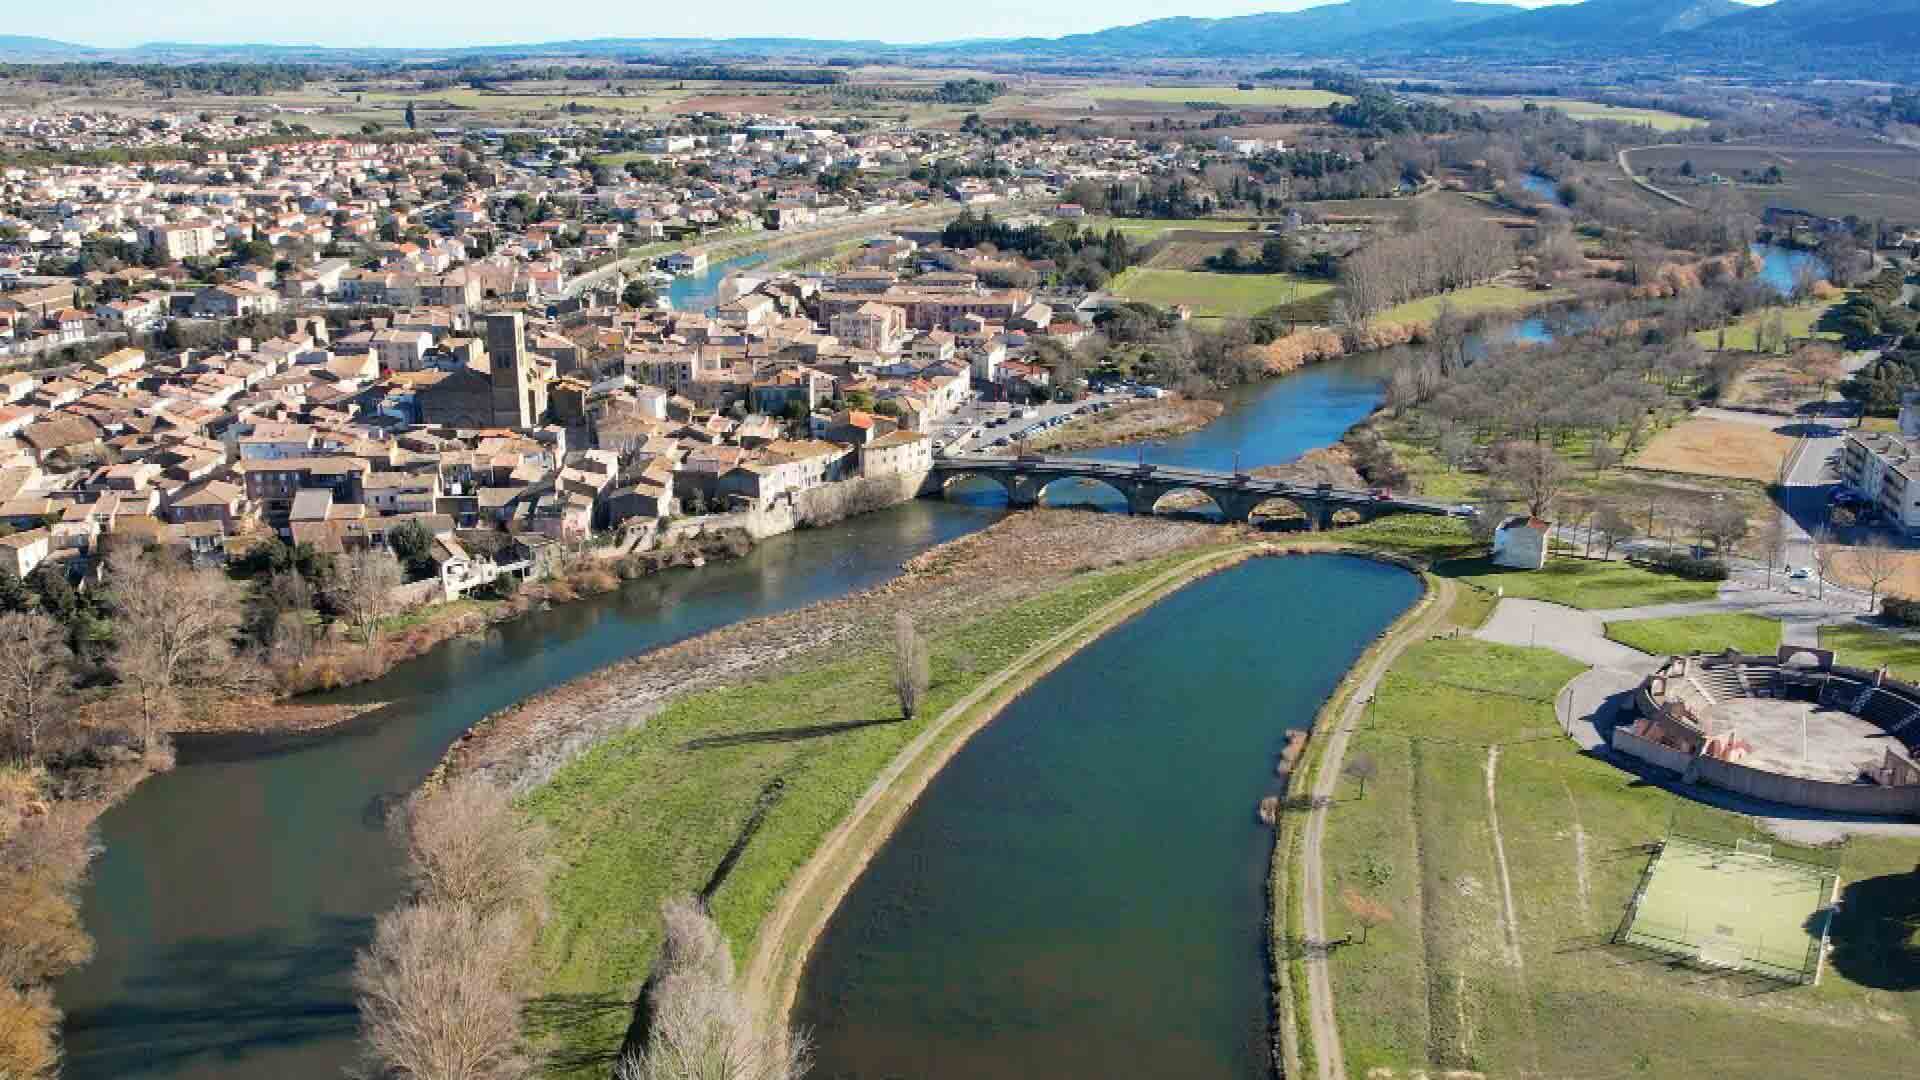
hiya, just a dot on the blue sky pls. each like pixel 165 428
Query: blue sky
pixel 435 23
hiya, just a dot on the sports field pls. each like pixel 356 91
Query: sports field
pixel 1729 908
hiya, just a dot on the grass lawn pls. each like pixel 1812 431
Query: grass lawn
pixel 1235 295
pixel 1479 299
pixel 1798 319
pixel 1459 978
pixel 1698 633
pixel 1580 583
pixel 1273 97
pixel 1864 646
pixel 771 765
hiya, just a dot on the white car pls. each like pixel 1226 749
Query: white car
pixel 1800 573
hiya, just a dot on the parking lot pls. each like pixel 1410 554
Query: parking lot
pixel 993 427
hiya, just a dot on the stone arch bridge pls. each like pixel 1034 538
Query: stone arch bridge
pixel 1143 486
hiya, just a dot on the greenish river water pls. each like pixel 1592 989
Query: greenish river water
pixel 1081 891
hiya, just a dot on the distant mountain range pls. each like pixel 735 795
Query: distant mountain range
pixel 1832 33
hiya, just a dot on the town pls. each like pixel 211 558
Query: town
pixel 1309 544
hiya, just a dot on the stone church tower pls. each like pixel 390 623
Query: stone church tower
pixel 513 396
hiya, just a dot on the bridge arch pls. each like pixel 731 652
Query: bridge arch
pixel 1083 493
pixel 975 488
pixel 1280 512
pixel 1189 502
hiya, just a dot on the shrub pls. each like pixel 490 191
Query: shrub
pixel 1901 609
pixel 1688 567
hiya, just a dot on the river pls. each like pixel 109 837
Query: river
pixel 1080 892
pixel 697 292
pixel 1780 266
pixel 234 890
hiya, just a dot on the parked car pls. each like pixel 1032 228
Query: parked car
pixel 1800 573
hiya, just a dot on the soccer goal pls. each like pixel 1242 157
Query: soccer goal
pixel 1722 951
pixel 1754 850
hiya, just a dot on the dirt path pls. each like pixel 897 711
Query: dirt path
pixel 1324 1025
pixel 1510 921
pixel 809 899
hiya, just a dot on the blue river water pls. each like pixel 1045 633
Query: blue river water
pixel 1780 266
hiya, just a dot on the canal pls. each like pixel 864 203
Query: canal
pixel 233 892
pixel 1081 891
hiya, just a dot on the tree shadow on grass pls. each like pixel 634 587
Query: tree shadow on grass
pixel 551 1017
pixel 1875 932
pixel 781 735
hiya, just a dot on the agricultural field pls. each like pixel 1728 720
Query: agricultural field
pixel 1494 862
pixel 1218 295
pixel 1262 97
pixel 1700 446
pixel 1870 180
pixel 1656 119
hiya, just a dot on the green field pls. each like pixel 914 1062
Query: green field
pixel 1150 228
pixel 1480 299
pixel 1731 909
pixel 1863 646
pixel 1232 295
pixel 1589 110
pixel 1698 633
pixel 1460 978
pixel 1271 97
pixel 1798 319
pixel 1581 583
pixel 652 813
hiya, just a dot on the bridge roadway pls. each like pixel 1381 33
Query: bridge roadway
pixel 1236 494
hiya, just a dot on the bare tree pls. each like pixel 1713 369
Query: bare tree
pixel 1361 768
pixel 702 1027
pixel 363 589
pixel 1613 527
pixel 1602 455
pixel 437 995
pixel 1773 537
pixel 33 660
pixel 1365 910
pixel 1535 473
pixel 912 668
pixel 466 844
pixel 1725 524
pixel 1879 562
pixel 173 627
pixel 1826 552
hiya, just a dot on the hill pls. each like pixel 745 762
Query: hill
pixel 1328 27
pixel 1605 24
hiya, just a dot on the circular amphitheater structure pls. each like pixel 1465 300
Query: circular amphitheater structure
pixel 1794 728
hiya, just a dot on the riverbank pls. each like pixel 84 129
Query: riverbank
pixel 743 749
pixel 1131 422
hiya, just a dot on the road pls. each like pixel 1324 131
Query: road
pixel 1325 1027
